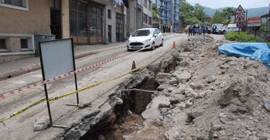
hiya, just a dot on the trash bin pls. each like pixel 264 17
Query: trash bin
pixel 42 38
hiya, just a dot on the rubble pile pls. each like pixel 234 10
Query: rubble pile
pixel 209 96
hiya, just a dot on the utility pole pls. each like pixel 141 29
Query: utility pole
pixel 246 19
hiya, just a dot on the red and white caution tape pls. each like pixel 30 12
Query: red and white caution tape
pixel 41 83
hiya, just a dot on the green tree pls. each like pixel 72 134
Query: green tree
pixel 228 13
pixel 263 27
pixel 188 14
pixel 218 17
pixel 155 13
pixel 199 12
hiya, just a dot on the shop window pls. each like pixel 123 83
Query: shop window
pixel 82 7
pixel 78 18
pixel 3 44
pixel 119 27
pixel 24 43
pixel 17 4
pixel 73 23
pixel 99 22
pixel 82 24
pixel 73 4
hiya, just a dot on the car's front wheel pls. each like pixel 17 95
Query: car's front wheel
pixel 162 42
pixel 153 46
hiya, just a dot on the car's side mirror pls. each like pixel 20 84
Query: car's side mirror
pixel 155 35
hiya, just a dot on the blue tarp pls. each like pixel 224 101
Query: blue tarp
pixel 254 51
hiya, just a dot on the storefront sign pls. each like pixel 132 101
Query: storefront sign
pixel 254 21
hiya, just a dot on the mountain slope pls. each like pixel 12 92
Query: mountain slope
pixel 252 12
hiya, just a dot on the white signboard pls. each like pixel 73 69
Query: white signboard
pixel 56 57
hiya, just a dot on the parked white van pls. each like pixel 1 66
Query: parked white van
pixel 231 28
pixel 218 28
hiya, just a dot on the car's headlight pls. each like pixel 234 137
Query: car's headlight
pixel 147 40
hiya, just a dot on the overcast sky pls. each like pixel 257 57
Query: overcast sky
pixel 231 3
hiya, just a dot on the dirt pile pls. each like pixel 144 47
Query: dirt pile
pixel 209 96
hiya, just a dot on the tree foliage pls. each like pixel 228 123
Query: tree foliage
pixel 192 14
pixel 224 16
pixel 199 12
pixel 218 17
pixel 155 12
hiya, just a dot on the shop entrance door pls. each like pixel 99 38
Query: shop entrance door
pixel 119 27
pixel 56 25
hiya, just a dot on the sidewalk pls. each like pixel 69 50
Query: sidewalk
pixel 20 67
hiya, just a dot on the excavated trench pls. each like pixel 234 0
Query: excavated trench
pixel 126 118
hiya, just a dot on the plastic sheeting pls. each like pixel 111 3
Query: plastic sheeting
pixel 253 51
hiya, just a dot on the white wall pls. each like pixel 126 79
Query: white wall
pixel 112 20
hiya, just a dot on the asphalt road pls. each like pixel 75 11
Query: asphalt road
pixel 21 126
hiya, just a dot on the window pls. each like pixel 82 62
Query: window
pixel 150 5
pixel 3 44
pixel 78 18
pixel 109 14
pixel 144 18
pixel 145 3
pixel 55 4
pixel 141 33
pixel 24 43
pixel 119 27
pixel 17 4
pixel 150 21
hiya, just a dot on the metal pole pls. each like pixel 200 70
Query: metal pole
pixel 76 88
pixel 75 76
pixel 45 85
pixel 48 104
pixel 255 32
pixel 246 20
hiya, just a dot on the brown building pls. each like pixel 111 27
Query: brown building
pixel 20 20
pixel 26 22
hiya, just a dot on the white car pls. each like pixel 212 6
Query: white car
pixel 218 28
pixel 145 38
pixel 231 28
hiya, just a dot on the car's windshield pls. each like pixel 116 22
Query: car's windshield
pixel 141 33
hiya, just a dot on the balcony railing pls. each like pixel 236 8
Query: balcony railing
pixel 177 13
pixel 162 7
pixel 177 4
pixel 176 21
pixel 163 16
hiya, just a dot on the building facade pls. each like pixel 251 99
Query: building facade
pixel 24 23
pixel 20 21
pixel 170 13
pixel 147 13
pixel 87 21
pixel 116 22
pixel 139 15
